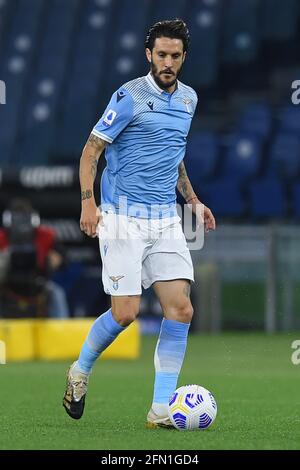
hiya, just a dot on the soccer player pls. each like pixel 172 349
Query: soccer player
pixel 144 130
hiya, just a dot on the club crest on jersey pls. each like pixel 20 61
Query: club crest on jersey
pixel 109 118
pixel 187 102
pixel 115 280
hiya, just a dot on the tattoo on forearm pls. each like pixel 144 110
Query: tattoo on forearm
pixel 183 184
pixel 86 194
pixel 187 290
pixel 184 189
pixel 94 165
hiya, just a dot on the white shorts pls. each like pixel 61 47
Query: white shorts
pixel 138 252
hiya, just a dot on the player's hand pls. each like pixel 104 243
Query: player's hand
pixel 203 214
pixel 209 220
pixel 90 218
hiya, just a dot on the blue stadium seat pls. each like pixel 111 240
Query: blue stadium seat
pixel 241 35
pixel 201 156
pixel 203 57
pixel 225 198
pixel 7 9
pixel 56 45
pixel 26 20
pixel 267 199
pixel 243 157
pixel 128 58
pixel 290 119
pixel 75 129
pixel 41 106
pixel 49 68
pixel 256 119
pixel 86 74
pixel 127 55
pixel 15 68
pixel 36 140
pixel 284 161
pixel 58 28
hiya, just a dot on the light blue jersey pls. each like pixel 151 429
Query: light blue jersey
pixel 146 129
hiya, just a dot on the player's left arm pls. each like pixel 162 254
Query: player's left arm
pixel 185 188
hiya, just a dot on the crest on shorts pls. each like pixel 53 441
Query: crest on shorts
pixel 115 280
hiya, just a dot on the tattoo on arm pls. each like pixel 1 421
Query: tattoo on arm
pixel 183 184
pixel 96 146
pixel 94 164
pixel 88 194
pixel 96 142
pixel 88 164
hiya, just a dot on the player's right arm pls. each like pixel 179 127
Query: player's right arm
pixel 90 214
pixel 115 118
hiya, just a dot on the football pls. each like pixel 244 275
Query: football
pixel 192 407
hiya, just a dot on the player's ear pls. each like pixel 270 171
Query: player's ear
pixel 184 56
pixel 148 55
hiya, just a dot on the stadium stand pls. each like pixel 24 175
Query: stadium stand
pixel 225 198
pixel 202 156
pixel 241 39
pixel 243 157
pixel 256 119
pixel 267 199
pixel 285 156
pixel 204 20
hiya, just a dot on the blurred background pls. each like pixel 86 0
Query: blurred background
pixel 61 60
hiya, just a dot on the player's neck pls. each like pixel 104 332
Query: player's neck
pixel 170 89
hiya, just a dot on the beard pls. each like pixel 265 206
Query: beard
pixel 156 75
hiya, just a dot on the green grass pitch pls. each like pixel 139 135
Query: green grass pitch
pixel 251 375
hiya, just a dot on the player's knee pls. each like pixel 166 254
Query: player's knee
pixel 126 319
pixel 184 313
pixel 125 314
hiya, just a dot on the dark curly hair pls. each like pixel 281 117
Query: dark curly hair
pixel 174 29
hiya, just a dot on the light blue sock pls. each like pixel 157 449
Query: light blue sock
pixel 168 359
pixel 102 333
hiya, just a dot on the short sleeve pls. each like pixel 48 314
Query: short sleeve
pixel 195 101
pixel 116 117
